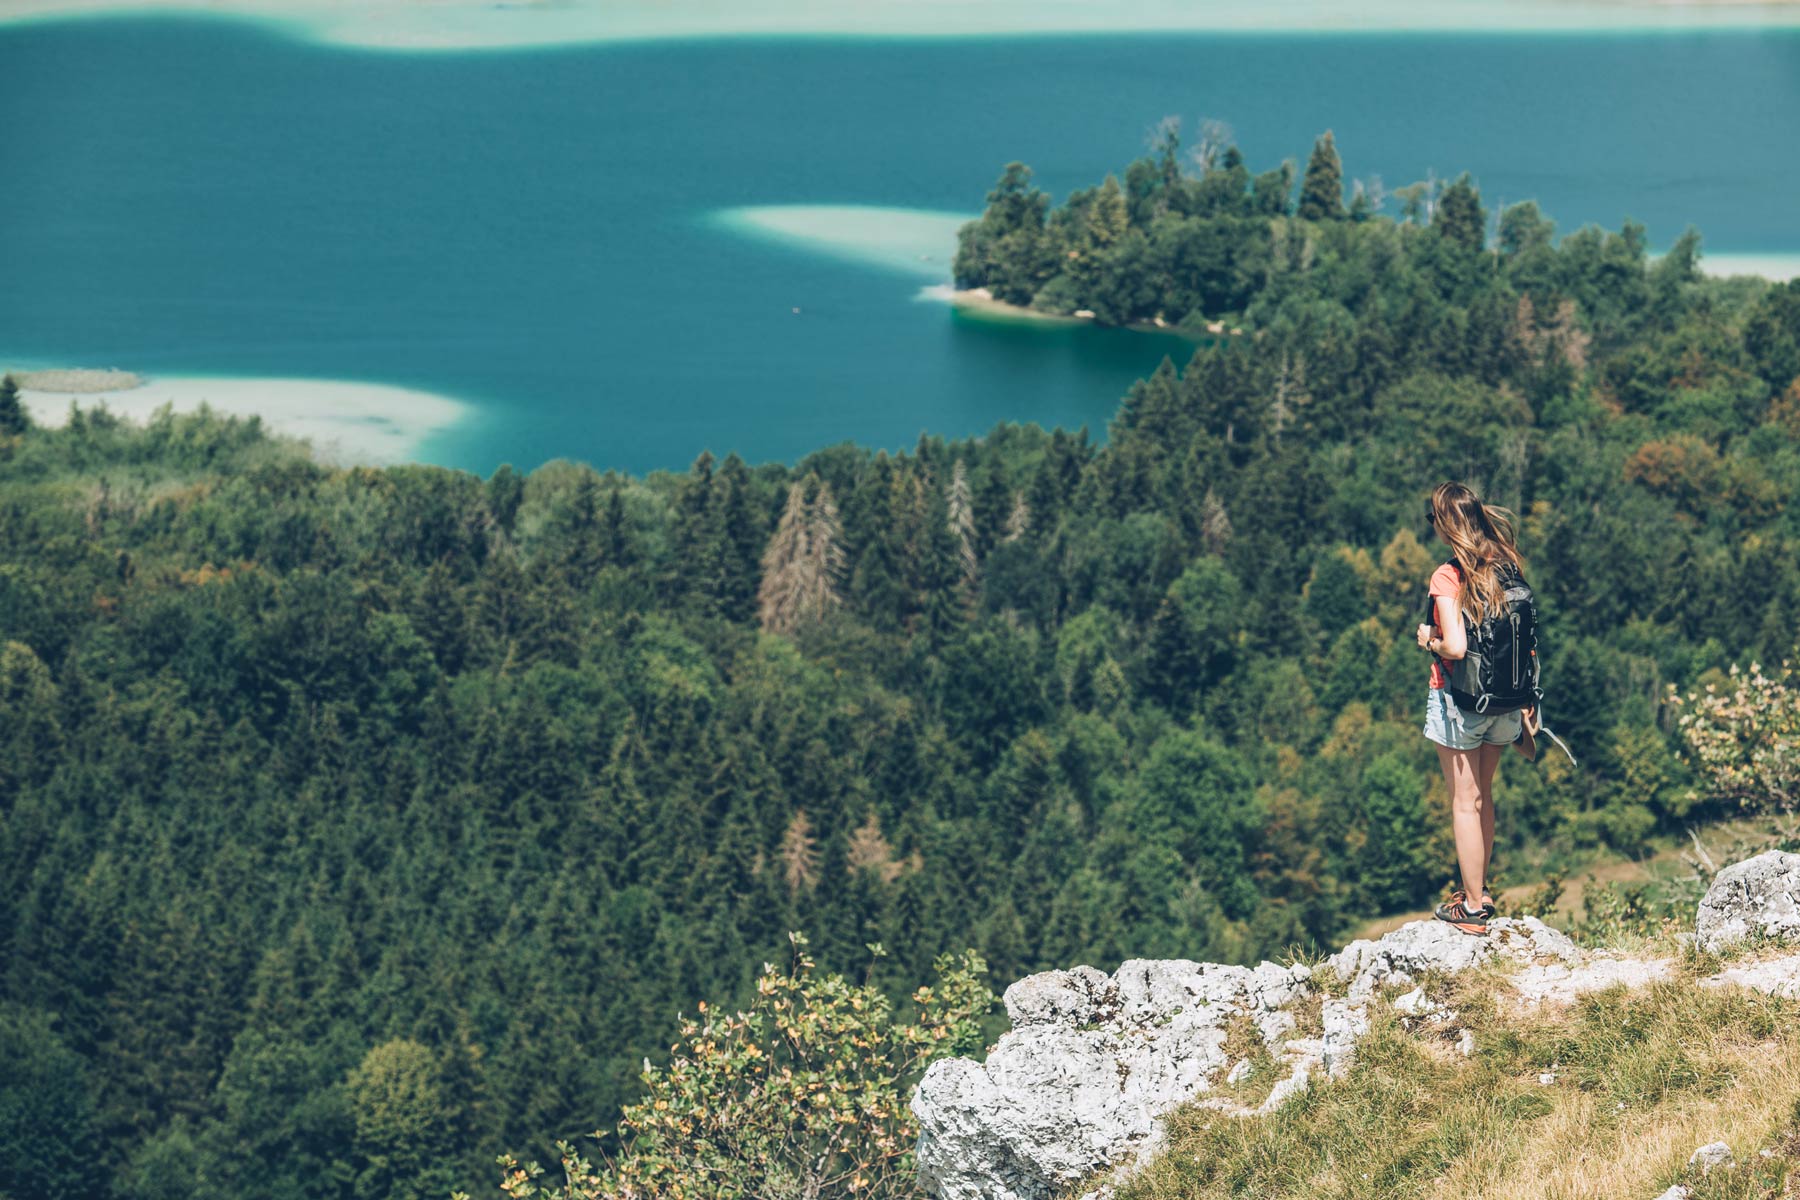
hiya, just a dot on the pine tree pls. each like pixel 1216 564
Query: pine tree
pixel 824 554
pixel 584 550
pixel 912 529
pixel 549 623
pixel 1459 218
pixel 1274 190
pixel 1561 336
pixel 498 619
pixel 781 596
pixel 993 503
pixel 1322 190
pixel 803 561
pixel 1108 217
pixel 1215 526
pixel 1152 409
pixel 740 533
pixel 695 537
pixel 14 420
pixel 621 549
pixel 437 613
pixel 962 526
pixel 1165 144
pixel 48 1145
pixel 869 851
pixel 799 853
pixel 1288 395
pixel 945 599
pixel 1018 521
pixel 31 738
pixel 504 493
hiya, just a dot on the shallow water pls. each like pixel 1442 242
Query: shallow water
pixel 560 236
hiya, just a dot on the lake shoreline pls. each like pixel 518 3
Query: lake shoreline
pixel 981 303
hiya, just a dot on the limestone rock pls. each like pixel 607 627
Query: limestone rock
pixel 1287 1089
pixel 1088 1070
pixel 1712 1155
pixel 1344 1023
pixel 1426 944
pixel 1416 1004
pixel 1093 1063
pixel 1760 895
pixel 1559 983
pixel 1074 998
pixel 1777 977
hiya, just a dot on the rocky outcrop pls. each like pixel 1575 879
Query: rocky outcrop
pixel 1757 897
pixel 1090 1066
pixel 1094 1062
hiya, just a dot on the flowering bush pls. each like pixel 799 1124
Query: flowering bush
pixel 800 1096
pixel 1745 737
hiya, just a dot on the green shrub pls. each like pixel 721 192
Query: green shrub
pixel 804 1094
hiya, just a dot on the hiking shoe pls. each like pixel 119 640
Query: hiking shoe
pixel 1487 905
pixel 1456 911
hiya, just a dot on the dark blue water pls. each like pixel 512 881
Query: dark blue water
pixel 526 229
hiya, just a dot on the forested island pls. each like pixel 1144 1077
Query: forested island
pixel 1201 250
pixel 359 825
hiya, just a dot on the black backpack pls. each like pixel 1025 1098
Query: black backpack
pixel 1500 671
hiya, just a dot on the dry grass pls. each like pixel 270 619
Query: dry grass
pixel 1244 1042
pixel 1642 1078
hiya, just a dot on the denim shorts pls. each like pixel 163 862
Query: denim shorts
pixel 1450 724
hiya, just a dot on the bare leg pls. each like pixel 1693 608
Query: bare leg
pixel 1466 817
pixel 1485 766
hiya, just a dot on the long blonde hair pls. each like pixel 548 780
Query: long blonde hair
pixel 1481 538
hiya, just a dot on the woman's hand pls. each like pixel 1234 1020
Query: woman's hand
pixel 1424 636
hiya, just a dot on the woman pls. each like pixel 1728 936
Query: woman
pixel 1463 592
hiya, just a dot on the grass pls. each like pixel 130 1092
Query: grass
pixel 1642 1077
pixel 1244 1042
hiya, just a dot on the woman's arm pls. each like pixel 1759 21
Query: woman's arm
pixel 1454 643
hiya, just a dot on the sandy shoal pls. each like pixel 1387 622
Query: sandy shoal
pixel 346 422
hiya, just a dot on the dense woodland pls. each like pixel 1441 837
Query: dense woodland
pixel 357 825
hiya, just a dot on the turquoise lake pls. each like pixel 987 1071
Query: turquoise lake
pixel 539 232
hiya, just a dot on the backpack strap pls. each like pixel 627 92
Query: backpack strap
pixel 1430 608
